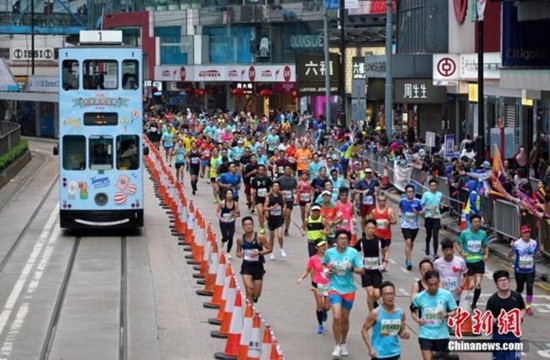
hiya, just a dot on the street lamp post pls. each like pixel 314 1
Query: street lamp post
pixel 388 103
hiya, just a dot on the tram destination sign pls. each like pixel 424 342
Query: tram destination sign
pixel 25 54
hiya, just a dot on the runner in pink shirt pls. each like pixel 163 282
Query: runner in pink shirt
pixel 344 211
pixel 304 196
pixel 319 283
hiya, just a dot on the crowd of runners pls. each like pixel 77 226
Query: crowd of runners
pixel 261 171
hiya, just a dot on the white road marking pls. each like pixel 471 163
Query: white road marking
pixel 18 287
pixel 403 291
pixel 31 288
pixel 392 261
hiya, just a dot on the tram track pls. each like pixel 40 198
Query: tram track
pixel 57 313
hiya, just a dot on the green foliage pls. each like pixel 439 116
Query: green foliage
pixel 13 154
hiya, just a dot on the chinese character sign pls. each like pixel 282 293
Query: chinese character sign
pixel 418 91
pixel 483 323
pixel 311 70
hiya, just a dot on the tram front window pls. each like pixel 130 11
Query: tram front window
pixel 74 152
pixel 101 153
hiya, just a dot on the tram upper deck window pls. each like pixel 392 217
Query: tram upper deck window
pixel 130 75
pixel 70 75
pixel 74 152
pixel 127 152
pixel 100 74
pixel 101 152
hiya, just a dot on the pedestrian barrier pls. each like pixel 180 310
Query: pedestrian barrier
pixel 188 225
pixel 500 216
pixel 508 221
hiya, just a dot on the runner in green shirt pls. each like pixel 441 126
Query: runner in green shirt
pixel 472 246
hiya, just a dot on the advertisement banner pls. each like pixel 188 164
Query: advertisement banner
pixel 523 42
pixel 450 143
pixel 284 73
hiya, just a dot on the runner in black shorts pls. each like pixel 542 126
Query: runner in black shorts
pixel 289 185
pixel 194 165
pixel 275 206
pixel 252 248
pixel 372 277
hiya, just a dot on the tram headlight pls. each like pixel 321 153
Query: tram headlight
pixel 101 199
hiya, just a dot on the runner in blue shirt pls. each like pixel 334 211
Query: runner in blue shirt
pixel 339 264
pixel 388 325
pixel 431 200
pixel 435 305
pixel 230 180
pixel 410 208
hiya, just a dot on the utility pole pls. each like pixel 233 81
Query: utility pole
pixel 388 103
pixel 326 39
pixel 343 57
pixel 480 94
pixel 32 37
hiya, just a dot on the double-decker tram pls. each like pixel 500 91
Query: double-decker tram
pixel 100 127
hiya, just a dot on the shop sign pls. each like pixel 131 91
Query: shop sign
pixel 418 91
pixel 306 41
pixel 285 87
pixel 46 84
pixel 311 70
pixel 523 42
pixel 491 66
pixel 358 68
pixel 174 73
pixel 445 69
pixel 472 93
pixel 375 66
pixel 40 53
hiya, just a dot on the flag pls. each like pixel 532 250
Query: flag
pixel 402 176
pixel 480 9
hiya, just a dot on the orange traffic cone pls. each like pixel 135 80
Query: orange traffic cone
pixel 463 222
pixel 235 330
pixel 267 342
pixel 227 312
pixel 219 286
pixel 212 274
pixel 275 351
pixel 465 303
pixel 254 345
pixel 246 333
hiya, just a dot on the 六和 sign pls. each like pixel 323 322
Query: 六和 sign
pixel 311 70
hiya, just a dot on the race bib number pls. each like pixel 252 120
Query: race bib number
pixel 368 200
pixel 410 217
pixel 195 160
pixel 248 257
pixel 390 327
pixel 280 169
pixel 371 263
pixel 474 246
pixel 287 194
pixel 262 192
pixel 526 262
pixel 450 284
pixel 227 217
pixel 339 268
pixel 305 197
pixel 431 315
pixel 277 211
pixel 381 224
pixel 323 288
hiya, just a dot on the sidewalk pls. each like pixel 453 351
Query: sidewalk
pixel 499 249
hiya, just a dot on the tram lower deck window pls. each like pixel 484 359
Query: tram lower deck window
pixel 100 119
pixel 74 152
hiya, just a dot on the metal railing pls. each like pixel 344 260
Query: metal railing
pixel 10 135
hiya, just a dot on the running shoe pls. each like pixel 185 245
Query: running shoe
pixel 320 329
pixel 336 353
pixel 272 256
pixel 283 253
pixel 262 231
pixel 228 256
pixel 325 316
pixel 286 232
pixel 427 252
pixel 344 349
pixel 408 264
pixel 529 310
